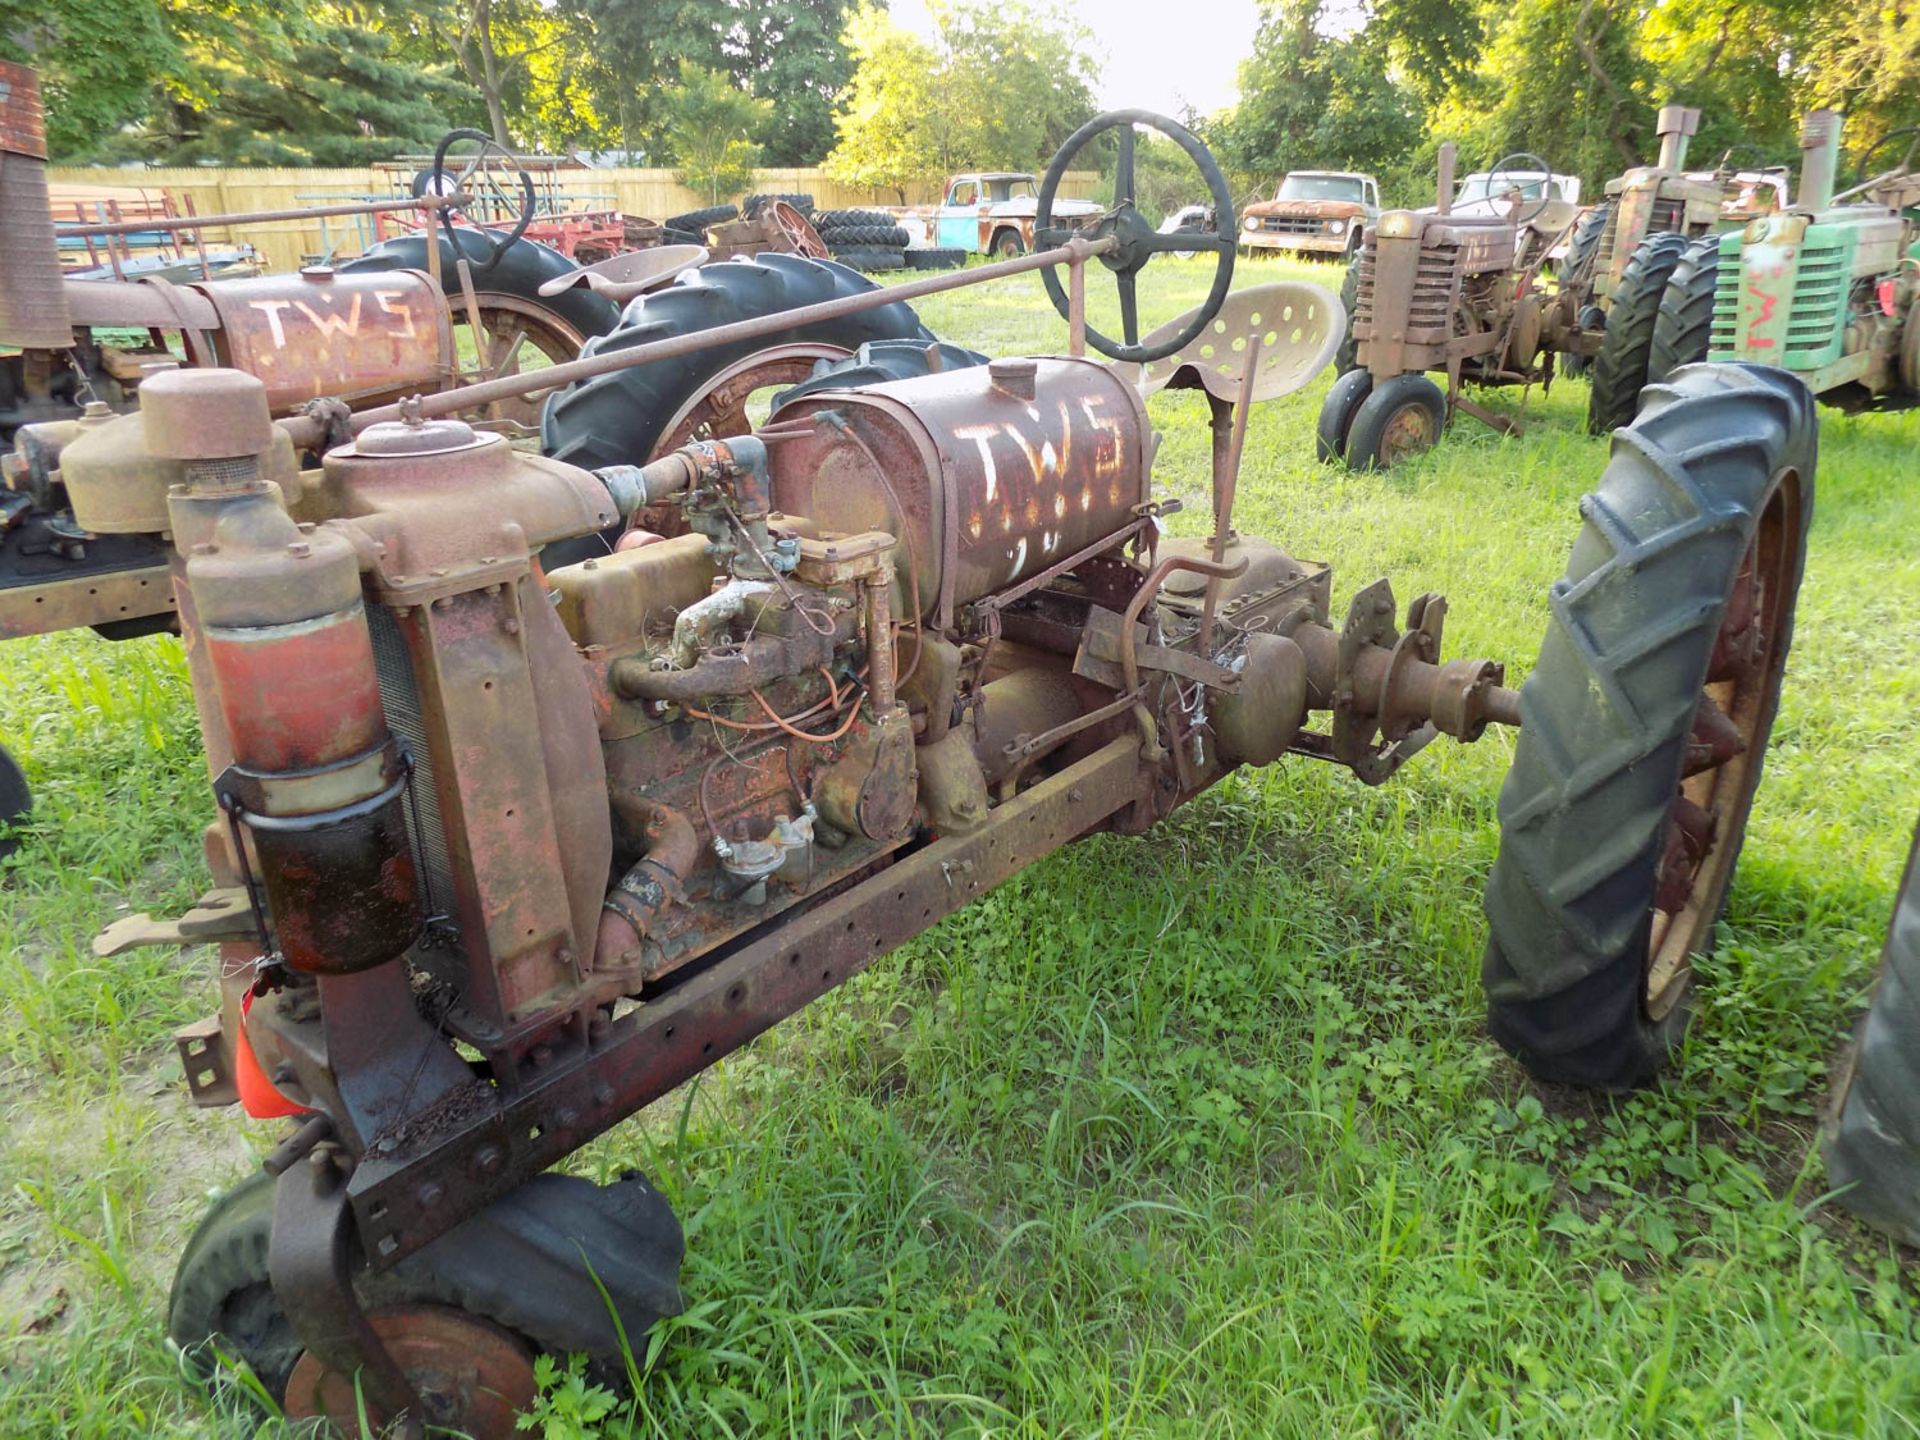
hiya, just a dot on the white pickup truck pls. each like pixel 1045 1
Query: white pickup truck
pixel 989 213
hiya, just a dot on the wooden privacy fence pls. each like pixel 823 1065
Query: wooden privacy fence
pixel 287 245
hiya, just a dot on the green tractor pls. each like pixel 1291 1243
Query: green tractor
pixel 1626 248
pixel 1829 288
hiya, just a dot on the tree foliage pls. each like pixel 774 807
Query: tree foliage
pixel 1576 81
pixel 1314 101
pixel 996 88
pixel 708 124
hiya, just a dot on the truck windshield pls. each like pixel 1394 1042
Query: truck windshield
pixel 1322 187
pixel 1484 187
pixel 1019 187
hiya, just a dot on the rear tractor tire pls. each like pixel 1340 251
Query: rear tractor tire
pixel 1644 725
pixel 1684 332
pixel 1400 419
pixel 1347 357
pixel 1872 1140
pixel 1620 369
pixel 620 418
pixel 1583 249
pixel 16 803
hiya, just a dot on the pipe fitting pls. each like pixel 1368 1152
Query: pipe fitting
pixel 634 905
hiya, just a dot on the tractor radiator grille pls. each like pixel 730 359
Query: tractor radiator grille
pixel 1667 215
pixel 1726 307
pixel 393 666
pixel 1432 303
pixel 1819 306
pixel 1815 331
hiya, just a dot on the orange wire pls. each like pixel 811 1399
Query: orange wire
pixel 798 734
pixel 834 700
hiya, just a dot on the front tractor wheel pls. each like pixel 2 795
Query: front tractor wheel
pixel 1402 418
pixel 473 1376
pixel 559 1266
pixel 1620 369
pixel 1343 402
pixel 1644 725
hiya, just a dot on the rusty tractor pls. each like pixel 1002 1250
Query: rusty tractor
pixel 1431 290
pixel 1658 199
pixel 1828 288
pixel 503 852
pixel 415 313
pixel 377 327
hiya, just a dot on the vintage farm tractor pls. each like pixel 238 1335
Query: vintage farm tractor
pixel 416 313
pixel 1828 289
pixel 1664 198
pixel 502 851
pixel 1432 290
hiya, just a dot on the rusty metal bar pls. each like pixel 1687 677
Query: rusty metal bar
pixel 1000 600
pixel 1224 484
pixel 261 217
pixel 307 432
pixel 1077 309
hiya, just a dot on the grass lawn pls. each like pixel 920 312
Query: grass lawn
pixel 1195 1134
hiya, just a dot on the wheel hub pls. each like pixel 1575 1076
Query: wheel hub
pixel 472 1377
pixel 1129 228
pixel 1717 776
pixel 1408 432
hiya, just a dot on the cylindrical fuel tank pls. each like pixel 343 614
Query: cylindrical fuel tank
pixel 987 475
pixel 280 627
pixel 361 337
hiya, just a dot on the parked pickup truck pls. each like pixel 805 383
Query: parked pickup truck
pixel 1316 211
pixel 1526 193
pixel 990 213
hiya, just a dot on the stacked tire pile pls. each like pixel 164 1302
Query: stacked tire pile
pixel 691 228
pixel 870 240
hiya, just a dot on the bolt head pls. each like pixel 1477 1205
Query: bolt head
pixel 489 1161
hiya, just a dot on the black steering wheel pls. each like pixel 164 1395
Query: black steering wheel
pixel 1137 239
pixel 440 183
pixel 1509 166
pixel 1865 177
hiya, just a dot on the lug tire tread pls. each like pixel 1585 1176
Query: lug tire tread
pixel 1620 369
pixel 616 418
pixel 1682 333
pixel 1606 713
